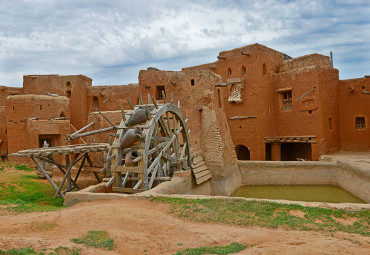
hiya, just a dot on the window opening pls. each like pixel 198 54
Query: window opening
pixel 219 97
pixel 242 152
pixel 68 84
pixel 68 94
pixel 244 70
pixel 360 123
pixel 229 72
pixel 330 124
pixel 264 69
pixel 40 107
pixel 286 100
pixel 192 82
pixel 95 102
pixel 159 92
pixel 235 93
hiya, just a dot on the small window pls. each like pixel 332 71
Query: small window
pixel 13 108
pixel 68 84
pixel 360 123
pixel 235 93
pixel 264 69
pixel 192 82
pixel 95 102
pixel 244 70
pixel 219 97
pixel 229 72
pixel 160 91
pixel 286 100
pixel 40 107
pixel 330 124
pixel 68 94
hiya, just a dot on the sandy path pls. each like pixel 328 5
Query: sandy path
pixel 144 227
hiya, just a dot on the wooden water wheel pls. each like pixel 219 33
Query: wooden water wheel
pixel 163 147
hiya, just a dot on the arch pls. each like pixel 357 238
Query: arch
pixel 242 152
pixel 68 94
pixel 244 70
pixel 68 84
pixel 95 102
pixel 264 69
pixel 229 72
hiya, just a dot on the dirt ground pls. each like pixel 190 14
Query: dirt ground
pixel 139 226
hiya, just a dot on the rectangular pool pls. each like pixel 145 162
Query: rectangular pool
pixel 309 193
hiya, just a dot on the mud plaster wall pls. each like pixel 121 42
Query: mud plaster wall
pixel 7 91
pixel 23 133
pixel 353 103
pixel 3 132
pixel 110 98
pixel 309 115
pixel 209 130
pixel 257 95
pixel 74 87
pixel 23 107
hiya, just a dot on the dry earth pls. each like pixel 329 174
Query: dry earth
pixel 139 226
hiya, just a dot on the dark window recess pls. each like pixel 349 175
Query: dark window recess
pixel 264 69
pixel 242 152
pixel 219 97
pixel 330 124
pixel 286 100
pixel 68 94
pixel 160 91
pixel 244 70
pixel 360 123
pixel 40 107
pixel 68 84
pixel 95 102
pixel 229 72
pixel 192 82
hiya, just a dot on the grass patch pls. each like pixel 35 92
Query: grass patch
pixel 97 239
pixel 22 191
pixel 267 214
pixel 232 248
pixel 27 251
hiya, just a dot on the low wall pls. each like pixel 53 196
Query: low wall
pixel 351 177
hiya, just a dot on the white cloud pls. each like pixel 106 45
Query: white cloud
pixel 107 39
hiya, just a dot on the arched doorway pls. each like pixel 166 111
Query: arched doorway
pixel 242 153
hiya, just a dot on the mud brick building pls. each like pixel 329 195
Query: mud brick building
pixel 275 107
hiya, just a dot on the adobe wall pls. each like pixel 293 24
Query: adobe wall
pixel 210 134
pixel 25 135
pixel 74 87
pixel 24 132
pixel 254 64
pixel 3 135
pixel 22 107
pixel 309 115
pixel 8 91
pixel 352 103
pixel 110 98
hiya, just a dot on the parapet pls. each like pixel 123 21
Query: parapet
pixel 305 61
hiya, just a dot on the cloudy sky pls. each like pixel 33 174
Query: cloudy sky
pixel 110 41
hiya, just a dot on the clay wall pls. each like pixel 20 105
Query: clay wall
pixel 254 65
pixel 304 61
pixel 74 87
pixel 199 102
pixel 309 116
pixel 7 91
pixel 110 98
pixel 3 132
pixel 353 101
pixel 22 107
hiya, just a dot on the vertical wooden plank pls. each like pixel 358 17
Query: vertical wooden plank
pixel 68 163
